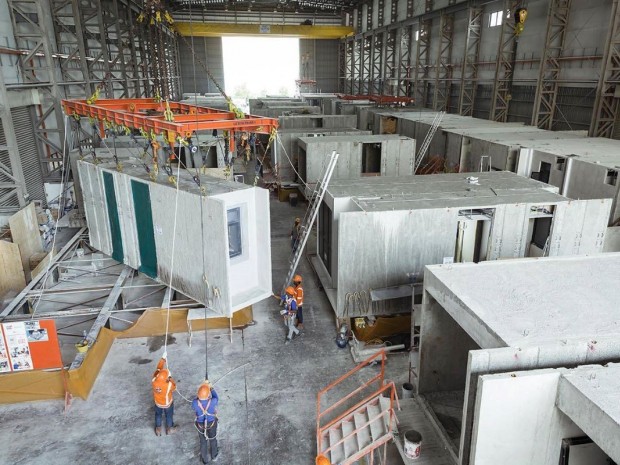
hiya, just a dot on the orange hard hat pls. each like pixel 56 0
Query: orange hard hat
pixel 297 278
pixel 322 460
pixel 204 391
pixel 289 290
pixel 162 375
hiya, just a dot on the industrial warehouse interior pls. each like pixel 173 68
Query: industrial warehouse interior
pixel 310 232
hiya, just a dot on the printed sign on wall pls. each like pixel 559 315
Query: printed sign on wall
pixel 5 363
pixel 17 345
pixel 29 345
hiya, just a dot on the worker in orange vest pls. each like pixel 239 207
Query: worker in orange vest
pixel 163 387
pixel 299 299
pixel 290 313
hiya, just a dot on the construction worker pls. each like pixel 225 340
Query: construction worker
pixel 163 387
pixel 290 313
pixel 299 300
pixel 295 232
pixel 205 407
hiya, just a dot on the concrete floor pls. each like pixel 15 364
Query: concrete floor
pixel 268 406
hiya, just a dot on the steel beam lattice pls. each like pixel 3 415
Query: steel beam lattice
pixel 33 31
pixel 504 71
pixel 607 104
pixel 469 71
pixel 422 63
pixel 443 69
pixel 549 75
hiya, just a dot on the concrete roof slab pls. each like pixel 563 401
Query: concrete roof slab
pixel 533 302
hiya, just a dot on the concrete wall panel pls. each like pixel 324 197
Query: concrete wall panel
pixel 517 421
pixel 409 241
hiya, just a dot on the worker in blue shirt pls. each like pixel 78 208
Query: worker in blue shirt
pixel 205 407
pixel 290 313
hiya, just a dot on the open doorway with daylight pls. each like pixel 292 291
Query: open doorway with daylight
pixel 254 67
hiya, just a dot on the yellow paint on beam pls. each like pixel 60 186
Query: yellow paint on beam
pixel 229 29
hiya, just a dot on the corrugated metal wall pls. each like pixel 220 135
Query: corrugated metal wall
pixel 29 151
pixel 209 51
pixel 323 64
pixel 29 155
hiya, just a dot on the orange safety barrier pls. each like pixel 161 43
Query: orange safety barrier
pixel 55 384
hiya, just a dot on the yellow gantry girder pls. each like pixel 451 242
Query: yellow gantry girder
pixel 229 29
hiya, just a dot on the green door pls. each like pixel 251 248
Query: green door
pixel 115 224
pixel 144 226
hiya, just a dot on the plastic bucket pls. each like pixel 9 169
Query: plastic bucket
pixel 413 444
pixel 407 391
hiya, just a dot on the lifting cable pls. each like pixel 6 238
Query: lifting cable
pixel 64 178
pixel 174 235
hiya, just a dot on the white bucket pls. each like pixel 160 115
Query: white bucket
pixel 413 444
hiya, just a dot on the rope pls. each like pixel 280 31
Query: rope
pixel 202 191
pixel 60 204
pixel 291 162
pixel 174 235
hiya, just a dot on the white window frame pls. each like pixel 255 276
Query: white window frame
pixel 496 18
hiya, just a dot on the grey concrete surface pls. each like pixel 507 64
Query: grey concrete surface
pixel 268 406
pixel 589 396
pixel 528 303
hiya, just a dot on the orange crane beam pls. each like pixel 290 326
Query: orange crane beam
pixel 174 119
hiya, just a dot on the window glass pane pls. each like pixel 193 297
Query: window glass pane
pixel 234 232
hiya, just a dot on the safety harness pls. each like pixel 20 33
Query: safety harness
pixel 205 412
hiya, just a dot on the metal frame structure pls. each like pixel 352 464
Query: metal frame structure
pixel 13 192
pixel 469 71
pixel 607 103
pixel 174 119
pixel 422 63
pixel 33 31
pixel 381 389
pixel 443 68
pixel 504 71
pixel 548 85
pixel 376 64
pixel 70 48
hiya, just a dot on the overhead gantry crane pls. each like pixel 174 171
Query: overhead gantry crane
pixel 170 119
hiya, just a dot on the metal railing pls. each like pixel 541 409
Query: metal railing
pixel 375 395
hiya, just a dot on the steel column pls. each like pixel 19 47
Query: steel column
pixel 33 29
pixel 549 75
pixel 422 62
pixel 504 70
pixel 607 103
pixel 469 72
pixel 443 69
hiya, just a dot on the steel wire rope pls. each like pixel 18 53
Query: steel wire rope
pixel 65 173
pixel 202 197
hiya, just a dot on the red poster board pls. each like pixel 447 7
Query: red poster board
pixel 45 353
pixel 31 345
